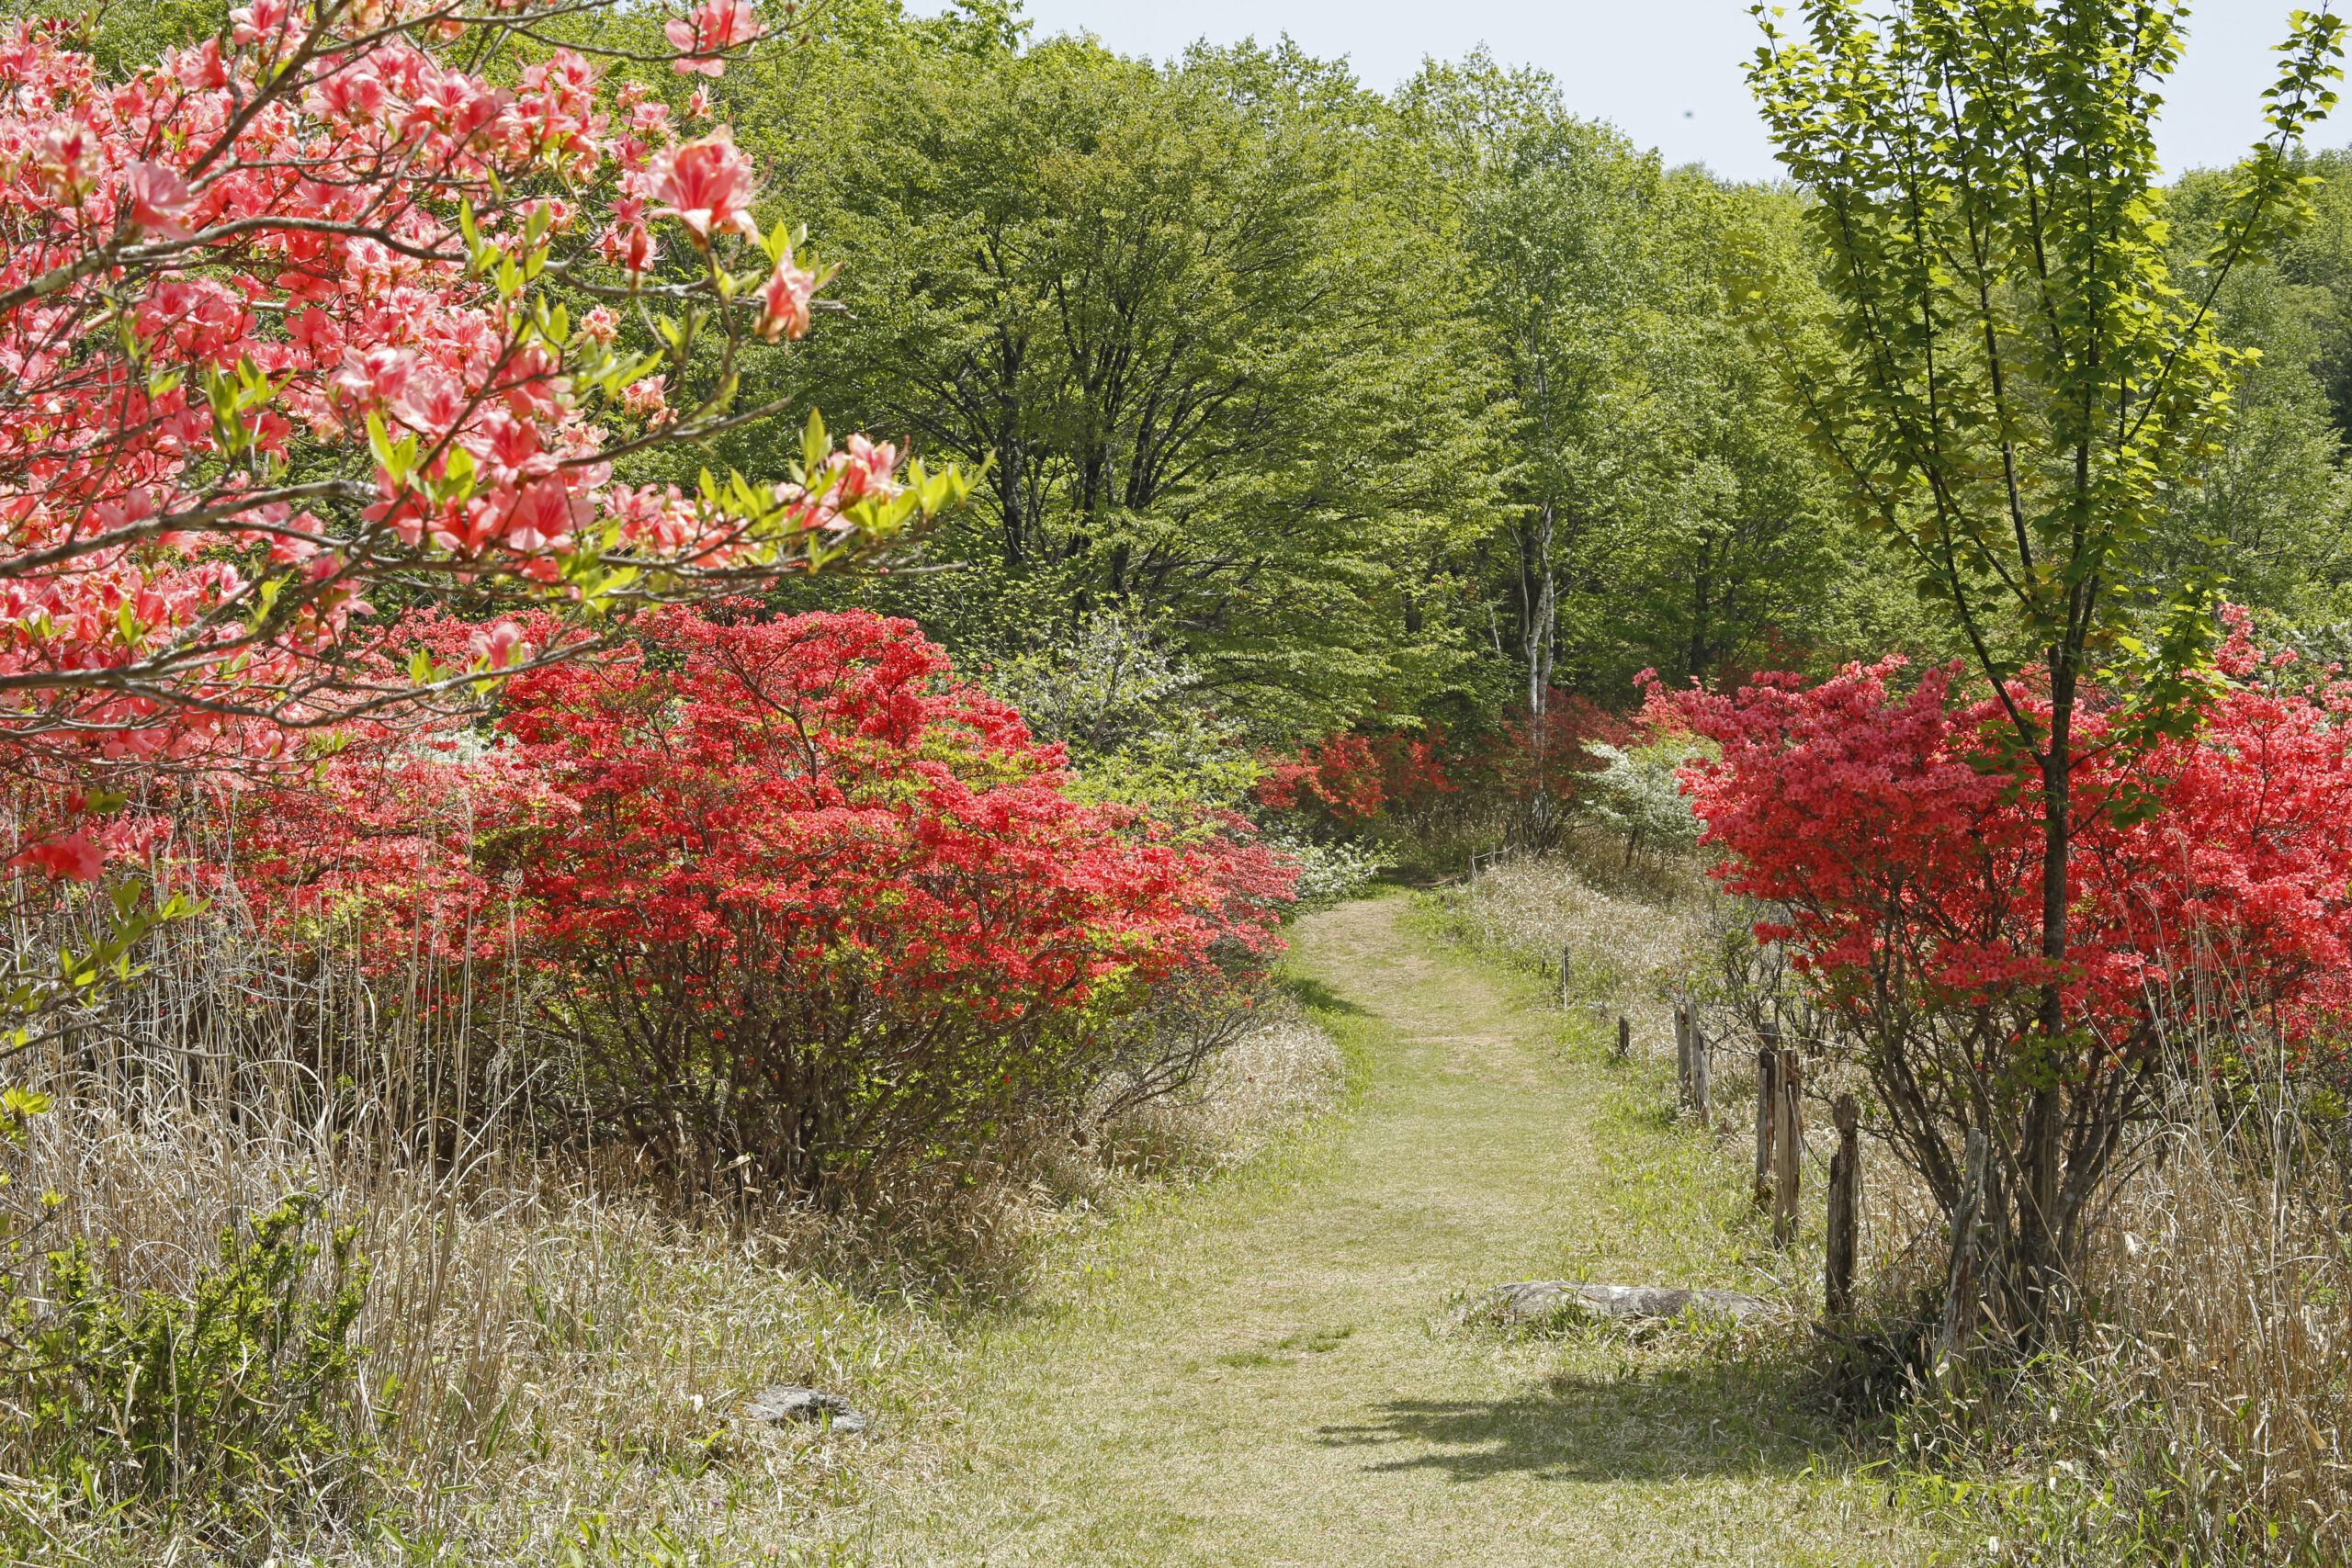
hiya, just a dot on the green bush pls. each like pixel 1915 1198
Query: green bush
pixel 239 1391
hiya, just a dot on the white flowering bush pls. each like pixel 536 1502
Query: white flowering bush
pixel 1329 870
pixel 1636 794
pixel 1132 715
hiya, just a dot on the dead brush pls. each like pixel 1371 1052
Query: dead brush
pixel 2194 1410
pixel 2200 1411
pixel 1279 1073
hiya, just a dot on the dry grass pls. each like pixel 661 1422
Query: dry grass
pixel 1635 933
pixel 2198 1416
pixel 553 1354
pixel 1283 1072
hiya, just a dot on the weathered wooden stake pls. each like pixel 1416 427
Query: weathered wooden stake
pixel 1682 1058
pixel 1567 967
pixel 1788 1147
pixel 1702 1070
pixel 1845 1209
pixel 1959 1275
pixel 1768 1065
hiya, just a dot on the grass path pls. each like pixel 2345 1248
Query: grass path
pixel 1272 1372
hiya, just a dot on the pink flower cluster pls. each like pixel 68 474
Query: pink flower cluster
pixel 304 286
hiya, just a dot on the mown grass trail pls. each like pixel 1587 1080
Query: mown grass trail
pixel 1271 1371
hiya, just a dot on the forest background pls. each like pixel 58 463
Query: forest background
pixel 1339 464
pixel 1381 411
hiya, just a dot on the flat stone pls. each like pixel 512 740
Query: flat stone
pixel 1533 1297
pixel 790 1401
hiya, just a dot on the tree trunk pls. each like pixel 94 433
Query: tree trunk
pixel 2038 1264
pixel 1959 1275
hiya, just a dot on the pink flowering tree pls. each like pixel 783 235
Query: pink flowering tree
pixel 317 322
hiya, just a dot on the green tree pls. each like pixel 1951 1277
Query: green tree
pixel 1177 308
pixel 1664 512
pixel 1717 558
pixel 2014 383
pixel 2273 513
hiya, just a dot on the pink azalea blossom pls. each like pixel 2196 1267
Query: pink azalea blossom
pixel 784 300
pixel 65 160
pixel 705 184
pixel 648 397
pixel 159 199
pixel 71 859
pixel 717 26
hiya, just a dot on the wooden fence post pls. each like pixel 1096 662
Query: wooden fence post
pixel 1788 1147
pixel 1624 1037
pixel 1845 1210
pixel 1566 969
pixel 1959 1275
pixel 1768 1066
pixel 1701 1069
pixel 1682 1058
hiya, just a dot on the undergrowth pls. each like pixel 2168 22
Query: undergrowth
pixel 517 1359
pixel 2193 1414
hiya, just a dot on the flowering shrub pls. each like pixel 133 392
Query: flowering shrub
pixel 1638 793
pixel 813 905
pixel 1131 714
pixel 1900 840
pixel 1354 779
pixel 316 313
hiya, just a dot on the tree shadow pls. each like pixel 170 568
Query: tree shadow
pixel 1310 992
pixel 1682 1423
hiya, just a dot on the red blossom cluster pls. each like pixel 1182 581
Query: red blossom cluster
pixel 822 780
pixel 277 332
pixel 2211 874
pixel 1355 778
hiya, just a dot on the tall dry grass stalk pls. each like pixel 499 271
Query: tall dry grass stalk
pixel 2197 1410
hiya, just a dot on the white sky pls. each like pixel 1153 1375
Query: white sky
pixel 1668 73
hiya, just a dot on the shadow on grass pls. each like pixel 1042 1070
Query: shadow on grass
pixel 1579 1428
pixel 1418 878
pixel 1310 992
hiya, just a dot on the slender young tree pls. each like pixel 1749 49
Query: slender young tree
pixel 2013 385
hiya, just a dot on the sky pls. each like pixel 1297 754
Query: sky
pixel 1668 73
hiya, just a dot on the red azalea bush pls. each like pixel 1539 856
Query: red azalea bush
pixel 1898 840
pixel 1353 780
pixel 811 903
pixel 1542 761
pixel 333 308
